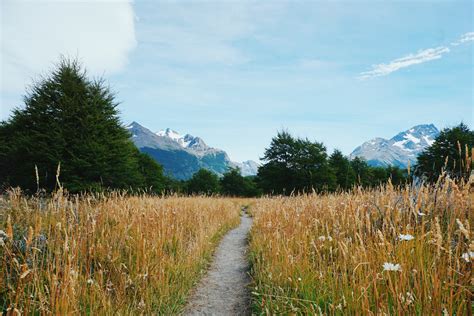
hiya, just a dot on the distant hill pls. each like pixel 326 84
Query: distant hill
pixel 182 156
pixel 398 150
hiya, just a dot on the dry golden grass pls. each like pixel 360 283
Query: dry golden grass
pixel 106 255
pixel 325 254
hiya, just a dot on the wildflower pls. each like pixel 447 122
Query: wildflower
pixel 410 298
pixel 388 266
pixel 445 312
pixel 421 214
pixel 467 256
pixel 90 281
pixel 405 237
pixel 323 238
pixel 299 279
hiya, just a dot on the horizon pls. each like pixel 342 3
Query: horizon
pixel 235 73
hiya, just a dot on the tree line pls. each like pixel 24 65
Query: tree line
pixel 69 133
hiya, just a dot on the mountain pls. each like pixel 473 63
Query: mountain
pixel 183 155
pixel 398 150
pixel 247 168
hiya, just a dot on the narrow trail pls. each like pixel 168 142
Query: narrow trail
pixel 224 289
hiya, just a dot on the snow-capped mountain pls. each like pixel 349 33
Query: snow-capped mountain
pixel 397 151
pixel 248 168
pixel 183 155
pixel 187 141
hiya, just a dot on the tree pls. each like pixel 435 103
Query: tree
pixel 152 173
pixel 294 164
pixel 397 176
pixel 73 121
pixel 341 166
pixel 234 184
pixel 449 152
pixel 203 182
pixel 362 171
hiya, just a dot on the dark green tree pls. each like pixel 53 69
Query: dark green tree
pixel 450 152
pixel 234 184
pixel 71 120
pixel 362 172
pixel 397 176
pixel 378 176
pixel 152 173
pixel 203 182
pixel 294 164
pixel 341 166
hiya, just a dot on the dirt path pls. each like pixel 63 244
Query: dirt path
pixel 224 290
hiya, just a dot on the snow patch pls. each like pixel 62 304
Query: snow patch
pixel 412 138
pixel 428 140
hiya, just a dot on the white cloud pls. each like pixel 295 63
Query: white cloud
pixel 420 57
pixel 35 34
pixel 468 37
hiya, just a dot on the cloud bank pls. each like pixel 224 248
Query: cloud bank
pixel 422 56
pixel 35 34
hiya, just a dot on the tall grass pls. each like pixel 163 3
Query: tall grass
pixel 389 250
pixel 106 254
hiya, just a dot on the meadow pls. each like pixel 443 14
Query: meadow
pixel 385 250
pixel 114 254
pixel 390 250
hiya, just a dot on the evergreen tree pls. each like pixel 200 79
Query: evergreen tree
pixel 450 152
pixel 203 182
pixel 341 166
pixel 70 120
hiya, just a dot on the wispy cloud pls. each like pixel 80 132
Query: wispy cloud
pixel 422 56
pixel 468 37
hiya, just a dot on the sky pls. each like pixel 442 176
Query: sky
pixel 236 72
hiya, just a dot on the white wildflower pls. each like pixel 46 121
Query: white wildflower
pixel 388 266
pixel 410 298
pixel 421 214
pixel 324 238
pixel 405 237
pixel 299 279
pixel 467 256
pixel 445 312
pixel 90 281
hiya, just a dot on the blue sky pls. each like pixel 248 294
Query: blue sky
pixel 236 72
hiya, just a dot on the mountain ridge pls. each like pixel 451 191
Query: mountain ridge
pixel 401 149
pixel 183 155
